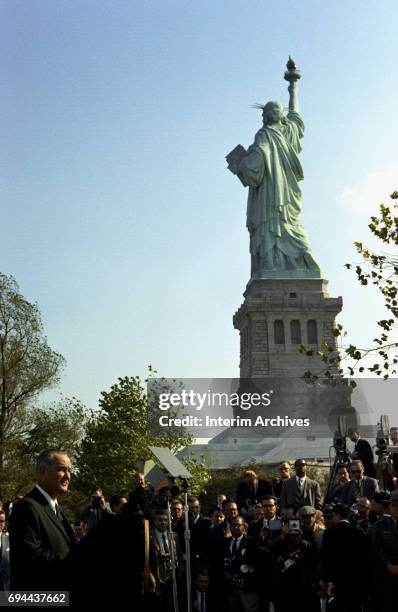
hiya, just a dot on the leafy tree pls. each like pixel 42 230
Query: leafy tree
pixel 118 436
pixel 201 476
pixel 27 364
pixel 59 425
pixel 381 270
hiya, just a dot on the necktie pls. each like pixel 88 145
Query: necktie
pixel 202 602
pixel 58 512
pixel 165 544
pixel 234 547
pixel 297 499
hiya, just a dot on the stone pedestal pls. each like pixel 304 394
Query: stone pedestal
pixel 277 316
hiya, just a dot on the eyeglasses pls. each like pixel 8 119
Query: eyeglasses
pixel 356 471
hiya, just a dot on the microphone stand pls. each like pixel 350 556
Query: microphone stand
pixel 187 539
pixel 173 558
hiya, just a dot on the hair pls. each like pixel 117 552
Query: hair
pixel 160 512
pixel 192 499
pixel 291 507
pixel 46 457
pixel 241 518
pixel 356 461
pixel 97 490
pixel 115 499
pixel 283 462
pixel 250 474
pixel 268 497
pixel 342 510
pixel 227 501
pixel 218 510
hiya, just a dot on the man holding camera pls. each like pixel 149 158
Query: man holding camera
pixel 166 553
pixel 95 510
pixel 241 560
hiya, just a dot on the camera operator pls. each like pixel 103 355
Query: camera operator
pixel 394 440
pixel 363 452
pixel 294 571
pixel 95 510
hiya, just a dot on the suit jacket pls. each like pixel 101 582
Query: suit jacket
pixel 40 543
pixel 346 558
pixel 311 494
pixel 385 549
pixel 364 452
pixel 349 495
pixel 247 554
pixel 162 563
pixel 4 562
pixel 245 492
pixel 210 601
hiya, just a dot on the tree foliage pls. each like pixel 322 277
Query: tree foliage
pixel 118 436
pixel 58 425
pixel 381 270
pixel 27 364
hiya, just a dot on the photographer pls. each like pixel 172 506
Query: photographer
pixel 165 549
pixel 95 510
pixel 294 571
pixel 241 562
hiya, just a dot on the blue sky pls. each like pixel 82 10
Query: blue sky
pixel 119 217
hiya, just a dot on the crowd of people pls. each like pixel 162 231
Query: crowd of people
pixel 274 547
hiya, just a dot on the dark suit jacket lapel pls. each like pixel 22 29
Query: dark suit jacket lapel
pixel 38 497
pixel 51 515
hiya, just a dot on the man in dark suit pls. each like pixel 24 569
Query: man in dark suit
pixel 300 490
pixel 363 452
pixel 345 561
pixel 385 557
pixel 359 485
pixel 40 534
pixel 203 599
pixel 251 491
pixel 241 569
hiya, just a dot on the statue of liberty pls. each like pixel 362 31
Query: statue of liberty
pixel 271 168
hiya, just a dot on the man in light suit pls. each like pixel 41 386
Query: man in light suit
pixel 40 535
pixel 359 485
pixel 300 490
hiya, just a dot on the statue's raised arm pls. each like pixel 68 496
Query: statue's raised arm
pixel 292 75
pixel 271 168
